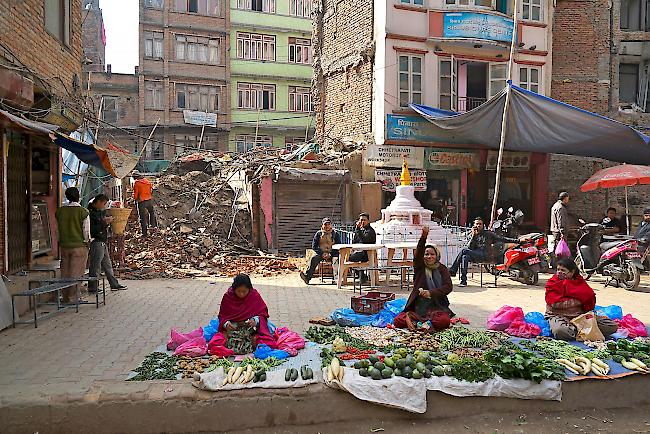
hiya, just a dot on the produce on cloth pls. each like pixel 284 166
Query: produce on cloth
pixel 326 335
pixel 472 370
pixel 459 336
pixel 625 350
pixel 291 374
pixel 327 355
pixel 335 370
pixel 513 362
pixel 556 349
pixel 635 365
pixel 156 366
pixel 338 345
pixel 375 336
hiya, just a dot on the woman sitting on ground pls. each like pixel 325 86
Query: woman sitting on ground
pixel 243 312
pixel 428 305
pixel 568 296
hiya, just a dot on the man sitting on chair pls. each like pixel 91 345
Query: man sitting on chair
pixel 321 245
pixel 480 249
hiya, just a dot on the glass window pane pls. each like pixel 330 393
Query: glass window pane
pixel 445 67
pixel 416 64
pixel 445 102
pixel 403 63
pixel 526 12
pixel 403 99
pixel 417 82
pixel 534 75
pixel 534 88
pixel 417 98
pixel 445 85
pixel 536 14
pixel 403 81
pixel 523 75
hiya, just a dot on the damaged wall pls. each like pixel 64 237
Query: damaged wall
pixel 343 69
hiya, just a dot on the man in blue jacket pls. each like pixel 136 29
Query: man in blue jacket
pixel 322 244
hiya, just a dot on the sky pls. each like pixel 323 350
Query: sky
pixel 121 24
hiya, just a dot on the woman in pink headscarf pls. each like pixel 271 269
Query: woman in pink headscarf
pixel 243 306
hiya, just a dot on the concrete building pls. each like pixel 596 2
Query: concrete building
pixel 40 80
pixel 374 58
pixel 271 72
pixel 601 52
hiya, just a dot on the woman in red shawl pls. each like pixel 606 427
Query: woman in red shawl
pixel 568 296
pixel 242 306
pixel 431 285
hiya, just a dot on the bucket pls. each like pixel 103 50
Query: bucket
pixel 121 216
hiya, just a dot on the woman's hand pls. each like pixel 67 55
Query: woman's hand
pixel 425 231
pixel 251 323
pixel 424 293
pixel 229 326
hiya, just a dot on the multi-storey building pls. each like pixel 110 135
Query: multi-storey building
pixel 601 57
pixel 374 58
pixel 271 72
pixel 40 80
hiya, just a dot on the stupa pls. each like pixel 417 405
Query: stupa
pixel 405 217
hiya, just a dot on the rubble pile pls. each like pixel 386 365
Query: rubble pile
pixel 197 235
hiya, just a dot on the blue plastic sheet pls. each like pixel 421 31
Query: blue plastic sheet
pixel 211 329
pixel 346 317
pixel 537 318
pixel 612 311
pixel 263 351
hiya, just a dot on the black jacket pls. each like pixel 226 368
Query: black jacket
pixel 98 228
pixel 315 243
pixel 485 241
pixel 365 235
pixel 643 231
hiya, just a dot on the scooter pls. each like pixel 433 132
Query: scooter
pixel 613 257
pixel 521 263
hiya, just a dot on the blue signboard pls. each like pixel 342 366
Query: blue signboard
pixel 409 128
pixel 477 26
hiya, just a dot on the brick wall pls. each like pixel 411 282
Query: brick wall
pixel 584 74
pixel 93 46
pixel 22 31
pixel 344 58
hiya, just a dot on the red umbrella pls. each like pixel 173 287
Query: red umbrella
pixel 624 175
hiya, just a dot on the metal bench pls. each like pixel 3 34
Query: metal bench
pixel 33 297
pixel 481 267
pixel 78 280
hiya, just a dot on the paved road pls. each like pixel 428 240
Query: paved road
pixel 71 351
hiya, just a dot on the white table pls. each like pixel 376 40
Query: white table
pixel 344 264
pixel 404 262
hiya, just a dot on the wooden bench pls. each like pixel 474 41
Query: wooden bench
pixel 78 280
pixel 33 294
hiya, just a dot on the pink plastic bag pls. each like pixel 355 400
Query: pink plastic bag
pixel 217 346
pixel 289 341
pixel 194 347
pixel 634 327
pixel 180 338
pixel 562 249
pixel 522 329
pixel 502 318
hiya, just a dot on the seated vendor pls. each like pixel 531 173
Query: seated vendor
pixel 244 314
pixel 428 306
pixel 568 296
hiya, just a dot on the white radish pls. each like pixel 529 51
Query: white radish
pixel 341 373
pixel 330 374
pixel 237 374
pixel 336 365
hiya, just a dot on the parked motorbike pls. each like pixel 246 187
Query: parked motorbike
pixel 614 257
pixel 521 263
pixel 507 225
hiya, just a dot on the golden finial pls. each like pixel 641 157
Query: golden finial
pixel 405 179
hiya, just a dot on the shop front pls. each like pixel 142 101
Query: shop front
pixel 457 182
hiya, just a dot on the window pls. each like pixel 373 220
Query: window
pixel 628 82
pixel 631 15
pixel 109 109
pixel 156 4
pixel 267 6
pixel 197 97
pixel 300 51
pixel 483 3
pixel 410 80
pixel 413 2
pixel 183 142
pixel 529 78
pixel 301 8
pixel 448 84
pixel 300 99
pixel 57 19
pixel 256 96
pixel 156 150
pixel 531 10
pixel 201 7
pixel 153 95
pixel 195 49
pixel 498 72
pixel 153 45
pixel 248 142
pixel 252 46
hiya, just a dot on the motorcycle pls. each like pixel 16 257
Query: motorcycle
pixel 521 263
pixel 614 257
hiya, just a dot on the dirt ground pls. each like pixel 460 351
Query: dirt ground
pixel 587 421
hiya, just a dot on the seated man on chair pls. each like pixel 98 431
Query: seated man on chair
pixel 322 244
pixel 363 234
pixel 480 249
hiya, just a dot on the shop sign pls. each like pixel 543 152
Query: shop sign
pixel 410 128
pixel 450 159
pixel 200 118
pixel 392 156
pixel 477 25
pixel 390 179
pixel 511 160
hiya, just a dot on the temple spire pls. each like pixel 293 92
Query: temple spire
pixel 405 178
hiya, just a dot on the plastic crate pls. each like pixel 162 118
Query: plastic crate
pixel 370 303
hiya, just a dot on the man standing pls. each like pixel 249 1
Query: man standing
pixel 74 235
pixel 643 230
pixel 559 220
pixel 613 225
pixel 100 258
pixel 322 244
pixel 480 249
pixel 143 196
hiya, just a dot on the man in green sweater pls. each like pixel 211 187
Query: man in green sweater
pixel 74 236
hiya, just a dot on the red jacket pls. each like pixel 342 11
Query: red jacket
pixel 142 190
pixel 558 291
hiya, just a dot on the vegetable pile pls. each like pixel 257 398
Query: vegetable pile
pixel 156 366
pixel 510 361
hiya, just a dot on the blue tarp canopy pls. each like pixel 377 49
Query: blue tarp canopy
pixel 537 123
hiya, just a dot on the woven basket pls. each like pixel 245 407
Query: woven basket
pixel 118 225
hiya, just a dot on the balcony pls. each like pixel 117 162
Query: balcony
pixel 465 84
pixel 467 103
